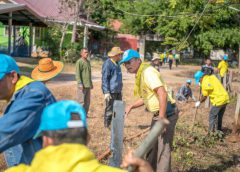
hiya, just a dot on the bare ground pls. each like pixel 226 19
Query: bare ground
pixel 193 151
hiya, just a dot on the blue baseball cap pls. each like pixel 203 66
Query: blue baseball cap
pixel 189 81
pixel 128 55
pixel 58 116
pixel 225 57
pixel 198 75
pixel 7 65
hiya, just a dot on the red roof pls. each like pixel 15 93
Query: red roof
pixel 49 9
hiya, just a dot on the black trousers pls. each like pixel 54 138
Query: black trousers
pixel 215 117
pixel 109 107
pixel 170 62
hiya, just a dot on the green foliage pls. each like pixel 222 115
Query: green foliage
pixel 51 41
pixel 174 19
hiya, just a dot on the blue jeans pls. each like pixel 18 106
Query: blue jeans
pixel 215 117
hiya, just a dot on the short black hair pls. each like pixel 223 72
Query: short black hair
pixel 84 49
pixel 70 135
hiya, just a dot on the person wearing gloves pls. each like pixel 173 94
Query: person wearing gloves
pixel 84 79
pixel 185 92
pixel 111 82
pixel 211 87
pixel 152 92
pixel 223 67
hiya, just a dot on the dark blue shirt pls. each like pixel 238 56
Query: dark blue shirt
pixel 111 77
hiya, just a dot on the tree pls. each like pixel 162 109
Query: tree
pixel 199 23
pixel 75 7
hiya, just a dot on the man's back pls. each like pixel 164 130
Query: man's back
pixel 21 120
pixel 212 87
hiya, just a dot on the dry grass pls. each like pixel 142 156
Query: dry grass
pixel 189 154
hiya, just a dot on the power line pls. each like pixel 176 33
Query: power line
pixel 180 44
pixel 170 16
pixel 153 15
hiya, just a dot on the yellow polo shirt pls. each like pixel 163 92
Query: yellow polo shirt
pixel 151 79
pixel 212 87
pixel 161 56
pixel 170 56
pixel 223 67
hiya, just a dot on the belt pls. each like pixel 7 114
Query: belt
pixel 171 110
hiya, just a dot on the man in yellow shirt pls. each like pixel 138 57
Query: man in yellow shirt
pixel 223 67
pixel 219 98
pixel 64 131
pixel 152 90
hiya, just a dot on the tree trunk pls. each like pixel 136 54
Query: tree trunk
pixel 64 29
pixel 79 6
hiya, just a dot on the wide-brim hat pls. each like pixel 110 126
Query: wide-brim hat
pixel 155 58
pixel 115 51
pixel 47 69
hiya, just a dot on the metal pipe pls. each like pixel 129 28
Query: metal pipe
pixel 149 140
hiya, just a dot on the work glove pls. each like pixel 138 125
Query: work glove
pixel 197 104
pixel 80 86
pixel 107 96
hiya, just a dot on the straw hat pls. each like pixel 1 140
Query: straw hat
pixel 115 51
pixel 155 57
pixel 46 69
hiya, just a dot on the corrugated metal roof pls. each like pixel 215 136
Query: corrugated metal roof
pixel 21 15
pixel 10 7
pixel 49 9
pixel 52 10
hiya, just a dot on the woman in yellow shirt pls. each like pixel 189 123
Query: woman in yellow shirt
pixel 219 98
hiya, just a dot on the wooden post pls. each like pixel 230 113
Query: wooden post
pixel 142 41
pixel 117 133
pixel 229 83
pixel 14 40
pixel 30 39
pixel 10 33
pixel 239 57
pixel 34 36
pixel 237 112
pixel 225 81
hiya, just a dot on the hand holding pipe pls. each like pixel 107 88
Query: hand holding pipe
pixel 149 140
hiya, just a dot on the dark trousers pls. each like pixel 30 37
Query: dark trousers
pixel 170 62
pixel 109 108
pixel 177 62
pixel 83 96
pixel 160 154
pixel 215 117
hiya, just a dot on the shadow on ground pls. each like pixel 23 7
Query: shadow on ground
pixel 222 166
